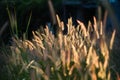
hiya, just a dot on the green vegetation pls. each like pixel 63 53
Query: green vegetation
pixel 77 55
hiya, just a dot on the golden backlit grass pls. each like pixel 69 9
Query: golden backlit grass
pixel 81 54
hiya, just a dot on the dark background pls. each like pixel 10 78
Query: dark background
pixel 83 10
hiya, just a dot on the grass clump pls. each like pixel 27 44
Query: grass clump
pixel 81 54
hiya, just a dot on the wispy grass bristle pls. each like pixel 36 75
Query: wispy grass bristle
pixel 81 54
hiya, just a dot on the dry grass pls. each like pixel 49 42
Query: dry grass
pixel 81 54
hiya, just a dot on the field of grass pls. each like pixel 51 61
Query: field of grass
pixel 84 53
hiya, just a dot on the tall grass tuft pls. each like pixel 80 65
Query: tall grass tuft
pixel 13 22
pixel 81 54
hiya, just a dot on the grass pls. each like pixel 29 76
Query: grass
pixel 82 54
pixel 13 22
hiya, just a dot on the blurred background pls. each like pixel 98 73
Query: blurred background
pixel 83 10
